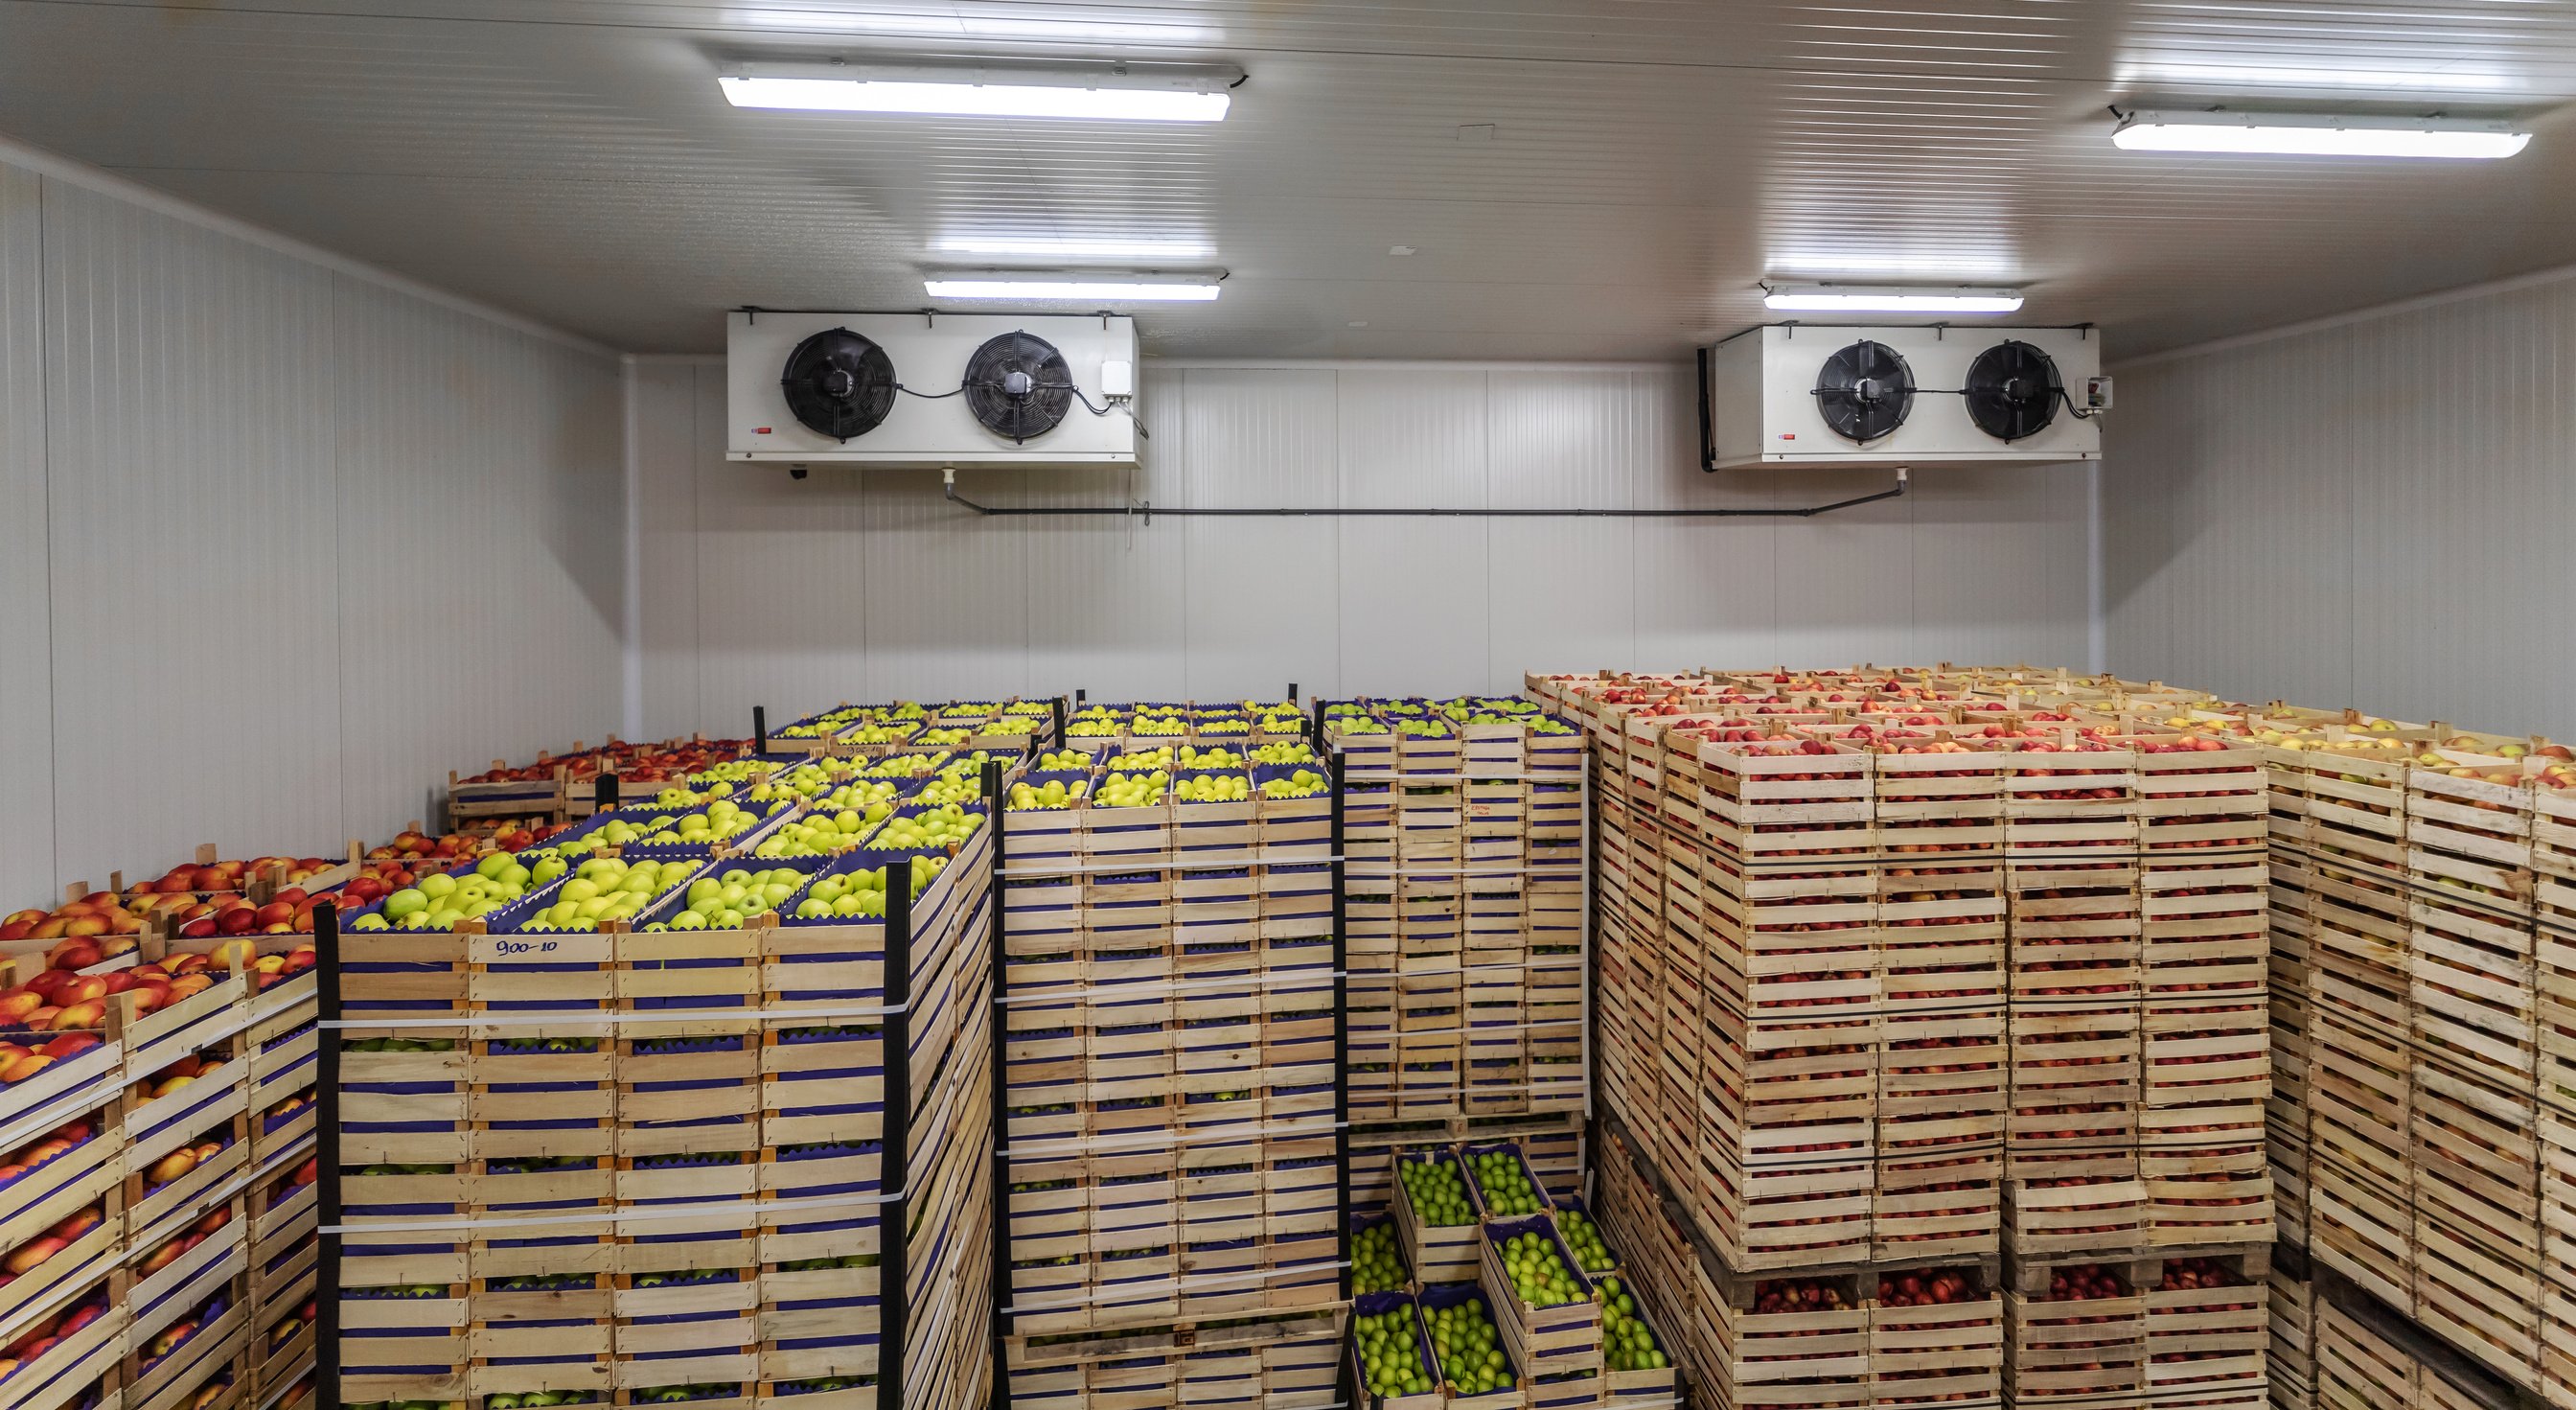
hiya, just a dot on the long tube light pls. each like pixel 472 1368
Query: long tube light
pixel 1095 289
pixel 1844 298
pixel 1092 92
pixel 2319 135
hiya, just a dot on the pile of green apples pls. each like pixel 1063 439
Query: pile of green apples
pixel 1305 783
pixel 1224 727
pixel 1376 1264
pixel 1215 788
pixel 1391 1354
pixel 1284 751
pixel 944 826
pixel 1094 723
pixel 1008 725
pixel 822 834
pixel 1217 757
pixel 1054 793
pixel 1439 1198
pixel 1584 1238
pixel 1423 729
pixel 607 889
pixel 828 723
pixel 905 765
pixel 1360 724
pixel 443 902
pixel 1538 1273
pixel 1291 722
pixel 1468 1349
pixel 1506 1185
pixel 952 786
pixel 861 893
pixel 860 793
pixel 726 902
pixel 673 1395
pixel 943 738
pixel 539 1399
pixel 1159 727
pixel 877 732
pixel 1626 1341
pixel 1122 790
pixel 1063 759
pixel 1158 757
pixel 719 821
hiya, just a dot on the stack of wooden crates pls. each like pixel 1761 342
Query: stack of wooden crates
pixel 1173 1159
pixel 158 1205
pixel 644 1167
pixel 1908 986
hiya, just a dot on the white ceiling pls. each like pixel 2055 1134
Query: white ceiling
pixel 1649 160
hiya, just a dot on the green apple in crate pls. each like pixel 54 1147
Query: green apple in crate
pixel 1439 1199
pixel 1469 1350
pixel 943 826
pixel 1626 1342
pixel 1215 788
pixel 861 893
pixel 1538 1273
pixel 1376 1265
pixel 1506 1186
pixel 1390 1356
pixel 1583 1237
pixel 1304 783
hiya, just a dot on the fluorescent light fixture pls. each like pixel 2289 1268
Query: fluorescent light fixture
pixel 1081 249
pixel 2318 135
pixel 1848 298
pixel 1094 92
pixel 1092 289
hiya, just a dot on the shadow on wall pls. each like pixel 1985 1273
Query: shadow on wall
pixel 585 477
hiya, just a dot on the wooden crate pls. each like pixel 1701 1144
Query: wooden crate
pixel 2208 1070
pixel 1435 1253
pixel 2207 926
pixel 1943 1081
pixel 1793 1341
pixel 2472 834
pixel 2198 1197
pixel 2474 990
pixel 2198 793
pixel 1784 1093
pixel 2053 1218
pixel 2078 932
pixel 2208 1326
pixel 1941 932
pixel 2358 1369
pixel 2057 1346
pixel 2068 799
pixel 1784 1216
pixel 2076 1072
pixel 1764 802
pixel 1939 806
pixel 1924 1353
pixel 1949 1205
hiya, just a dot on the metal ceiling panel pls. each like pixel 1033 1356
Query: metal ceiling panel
pixel 1599 179
pixel 26 627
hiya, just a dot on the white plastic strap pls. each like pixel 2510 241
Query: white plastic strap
pixel 580 1018
pixel 1235 863
pixel 1067 1147
pixel 1192 1283
pixel 623 1214
pixel 1289 981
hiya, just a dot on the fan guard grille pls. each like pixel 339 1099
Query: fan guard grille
pixel 1865 391
pixel 1018 385
pixel 839 384
pixel 2012 391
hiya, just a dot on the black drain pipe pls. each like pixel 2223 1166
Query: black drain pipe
pixel 1147 510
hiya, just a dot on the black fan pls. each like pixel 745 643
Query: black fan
pixel 2012 391
pixel 839 383
pixel 1018 385
pixel 1865 391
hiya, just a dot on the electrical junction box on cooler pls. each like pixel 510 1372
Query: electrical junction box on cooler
pixel 1805 393
pixel 930 389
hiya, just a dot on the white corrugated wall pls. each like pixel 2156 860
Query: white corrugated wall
pixel 2373 513
pixel 862 585
pixel 281 545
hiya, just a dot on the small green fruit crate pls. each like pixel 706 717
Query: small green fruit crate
pixel 1500 1163
pixel 1423 1372
pixel 687 1326
pixel 1506 1387
pixel 1437 1253
pixel 1546 1339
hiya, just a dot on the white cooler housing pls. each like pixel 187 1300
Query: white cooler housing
pixel 929 353
pixel 1762 405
